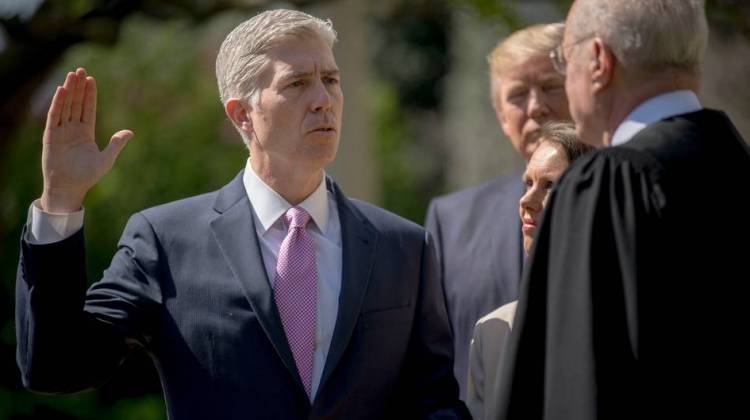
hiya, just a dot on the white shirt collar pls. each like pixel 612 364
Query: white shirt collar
pixel 269 206
pixel 655 109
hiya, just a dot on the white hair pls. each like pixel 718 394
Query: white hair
pixel 645 35
pixel 243 54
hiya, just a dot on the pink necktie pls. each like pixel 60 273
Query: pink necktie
pixel 295 292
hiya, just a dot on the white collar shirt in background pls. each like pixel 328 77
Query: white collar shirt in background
pixel 655 109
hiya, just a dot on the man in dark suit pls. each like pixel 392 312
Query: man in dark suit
pixel 477 230
pixel 274 297
pixel 634 304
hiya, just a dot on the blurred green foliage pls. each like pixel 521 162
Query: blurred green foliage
pixel 397 156
pixel 85 406
pixel 498 11
pixel 411 61
pixel 157 81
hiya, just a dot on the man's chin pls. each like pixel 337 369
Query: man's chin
pixel 322 156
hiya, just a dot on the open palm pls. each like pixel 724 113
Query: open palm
pixel 71 160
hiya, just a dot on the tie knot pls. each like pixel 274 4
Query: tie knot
pixel 296 217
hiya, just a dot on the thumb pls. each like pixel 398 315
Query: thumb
pixel 116 144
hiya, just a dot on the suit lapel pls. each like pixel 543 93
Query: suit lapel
pixel 234 230
pixel 358 243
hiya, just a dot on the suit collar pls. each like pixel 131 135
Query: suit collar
pixel 269 205
pixel 230 194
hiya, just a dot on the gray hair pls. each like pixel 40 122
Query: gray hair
pixel 243 54
pixel 563 136
pixel 645 35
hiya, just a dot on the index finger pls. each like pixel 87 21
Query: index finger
pixel 55 108
pixel 69 86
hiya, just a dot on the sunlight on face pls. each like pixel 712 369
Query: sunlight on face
pixel 544 169
pixel 297 121
pixel 527 96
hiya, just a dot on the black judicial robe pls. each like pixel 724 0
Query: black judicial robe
pixel 635 300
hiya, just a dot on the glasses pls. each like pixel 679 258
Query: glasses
pixel 557 56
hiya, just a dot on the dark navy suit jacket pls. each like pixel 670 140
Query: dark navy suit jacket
pixel 478 236
pixel 188 286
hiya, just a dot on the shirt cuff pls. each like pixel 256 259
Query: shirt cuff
pixel 46 228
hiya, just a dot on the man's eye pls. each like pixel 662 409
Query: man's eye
pixel 518 95
pixel 331 81
pixel 297 83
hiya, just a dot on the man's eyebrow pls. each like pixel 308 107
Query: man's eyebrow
pixel 305 74
pixel 551 77
pixel 296 75
pixel 516 84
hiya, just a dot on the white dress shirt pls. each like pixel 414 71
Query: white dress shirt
pixel 46 228
pixel 269 206
pixel 326 235
pixel 655 109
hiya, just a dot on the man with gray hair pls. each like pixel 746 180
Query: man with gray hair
pixel 633 304
pixel 273 297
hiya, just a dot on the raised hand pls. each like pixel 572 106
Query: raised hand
pixel 71 160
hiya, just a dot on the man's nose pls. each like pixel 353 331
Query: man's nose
pixel 321 97
pixel 537 106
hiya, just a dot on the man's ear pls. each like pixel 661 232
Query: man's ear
pixel 239 113
pixel 602 64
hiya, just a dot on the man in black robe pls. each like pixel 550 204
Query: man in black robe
pixel 633 303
